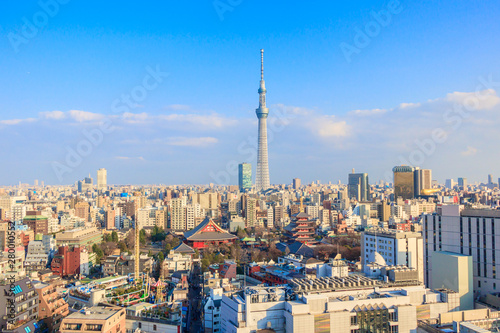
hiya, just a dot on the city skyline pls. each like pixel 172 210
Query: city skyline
pixel 337 104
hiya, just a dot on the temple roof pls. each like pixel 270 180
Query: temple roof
pixel 301 215
pixel 184 248
pixel 208 230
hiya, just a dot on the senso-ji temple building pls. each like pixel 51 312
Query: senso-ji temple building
pixel 301 229
pixel 206 233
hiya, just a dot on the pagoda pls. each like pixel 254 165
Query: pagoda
pixel 301 229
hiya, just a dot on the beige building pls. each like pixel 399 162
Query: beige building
pixel 333 305
pixel 52 308
pixel 79 237
pixel 95 319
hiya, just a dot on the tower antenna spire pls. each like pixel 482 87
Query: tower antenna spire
pixel 262 179
pixel 262 64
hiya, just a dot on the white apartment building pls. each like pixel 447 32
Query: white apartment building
pixel 313 211
pixel 212 311
pixel 334 268
pixel 466 231
pixel 178 213
pixel 193 211
pixel 176 261
pixel 396 248
pixel 334 305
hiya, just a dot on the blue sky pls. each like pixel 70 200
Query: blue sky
pixel 377 109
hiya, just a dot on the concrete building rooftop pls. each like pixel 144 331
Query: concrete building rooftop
pixel 95 313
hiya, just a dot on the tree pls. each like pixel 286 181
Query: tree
pixel 168 247
pixel 98 251
pixel 324 251
pixel 150 254
pixel 161 257
pixel 114 236
pixel 175 242
pixel 122 246
pixel 240 233
pixel 204 264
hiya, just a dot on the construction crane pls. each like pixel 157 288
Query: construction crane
pixel 136 252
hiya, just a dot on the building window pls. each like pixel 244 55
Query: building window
pixel 154 327
pixel 139 325
pixel 354 320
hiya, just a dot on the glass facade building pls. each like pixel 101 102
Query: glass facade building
pixel 245 176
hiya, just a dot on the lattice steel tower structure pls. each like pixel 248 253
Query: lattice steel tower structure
pixel 262 178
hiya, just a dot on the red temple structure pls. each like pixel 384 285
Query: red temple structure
pixel 301 229
pixel 206 233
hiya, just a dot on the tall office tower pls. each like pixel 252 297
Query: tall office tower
pixel 404 186
pixel 244 176
pixel 490 179
pixel 102 179
pixel 178 213
pixel 422 180
pixel 262 179
pixel 462 183
pixel 358 187
pixel 465 231
pixel 36 182
pixel 296 183
pixel 449 183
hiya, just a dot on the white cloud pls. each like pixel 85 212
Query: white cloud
pixel 480 100
pixel 127 158
pixel 371 112
pixel 471 151
pixel 191 142
pixel 135 117
pixel 209 121
pixel 409 105
pixel 328 127
pixel 84 116
pixel 55 115
pixel 16 121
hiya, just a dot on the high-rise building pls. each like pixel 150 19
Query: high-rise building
pixel 262 180
pixel 178 213
pixel 296 183
pixel 462 183
pixel 395 247
pixel 449 183
pixel 490 179
pixel 466 231
pixel 358 187
pixel 85 184
pixel 404 186
pixel 244 176
pixel 251 212
pixel 102 179
pixel 422 180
